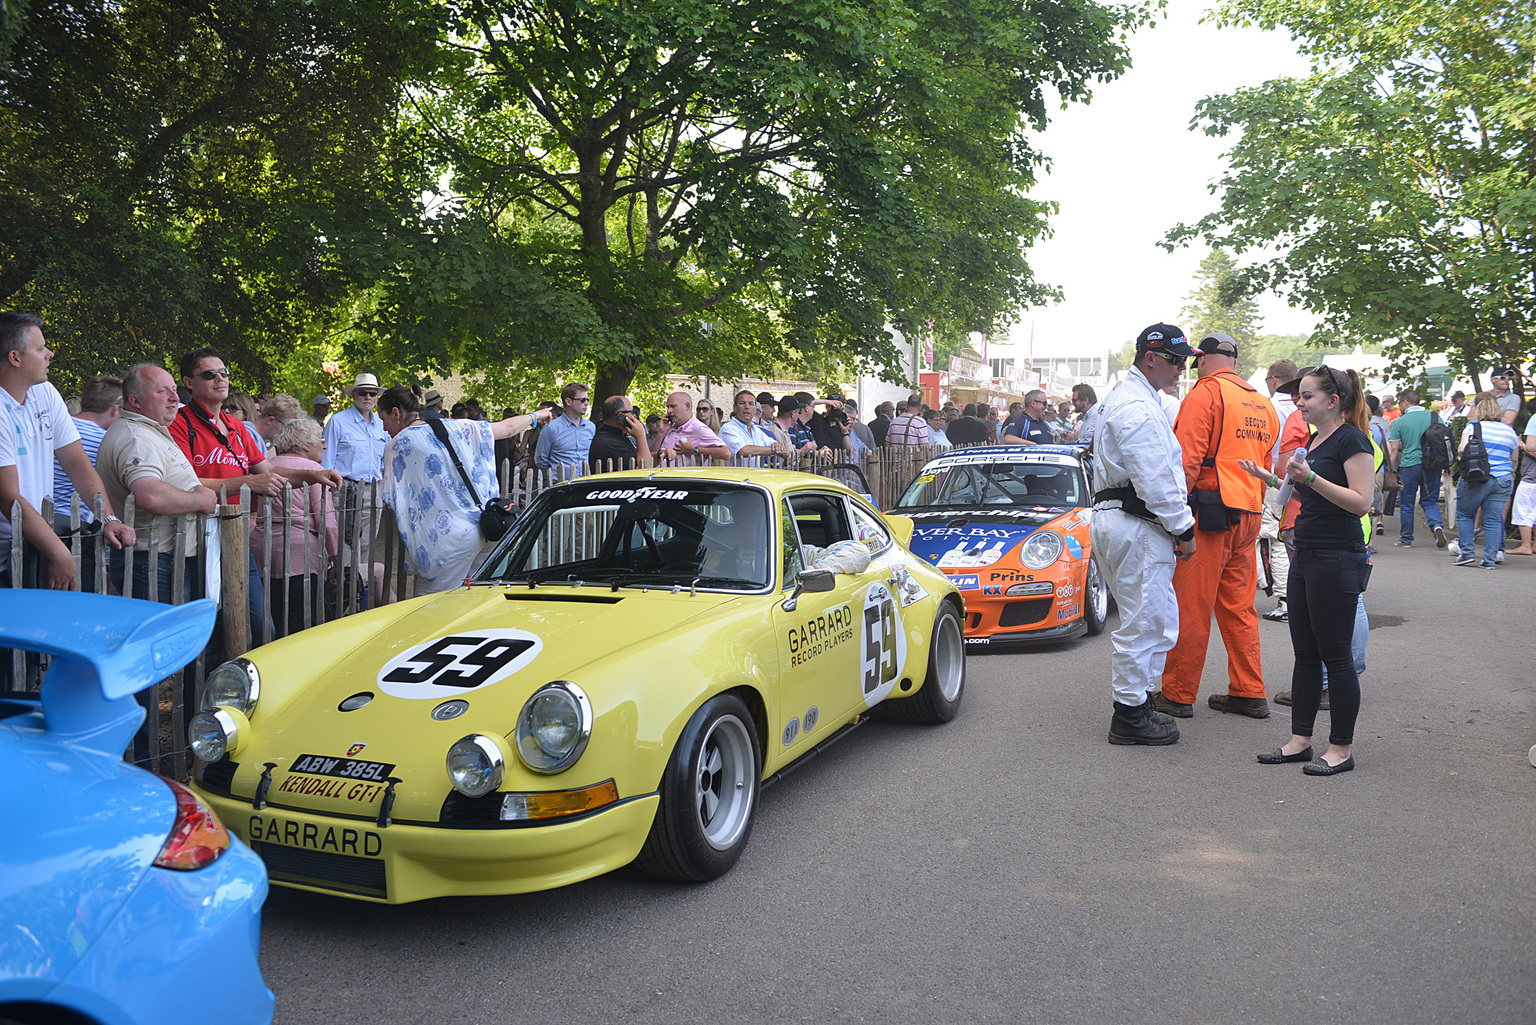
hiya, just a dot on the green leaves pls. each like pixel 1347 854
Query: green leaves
pixel 1396 180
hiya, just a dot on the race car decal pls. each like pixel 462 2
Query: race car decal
pixel 791 731
pixel 1074 546
pixel 885 644
pixel 963 547
pixel 634 493
pixel 907 585
pixel 811 715
pixel 323 786
pixel 271 829
pixel 820 634
pixel 450 667
pixel 1070 612
pixel 965 581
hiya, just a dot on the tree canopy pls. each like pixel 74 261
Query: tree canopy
pixel 172 171
pixel 711 186
pixel 1395 182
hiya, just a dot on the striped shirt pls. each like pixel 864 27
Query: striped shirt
pixel 63 487
pixel 1500 440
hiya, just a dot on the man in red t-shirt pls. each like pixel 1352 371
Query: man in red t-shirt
pixel 218 446
pixel 224 456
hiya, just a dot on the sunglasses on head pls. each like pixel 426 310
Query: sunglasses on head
pixel 209 375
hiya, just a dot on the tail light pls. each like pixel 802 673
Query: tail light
pixel 197 839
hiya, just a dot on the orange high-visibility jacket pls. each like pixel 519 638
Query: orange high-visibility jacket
pixel 1223 419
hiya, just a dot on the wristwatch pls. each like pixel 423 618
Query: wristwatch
pixel 109 518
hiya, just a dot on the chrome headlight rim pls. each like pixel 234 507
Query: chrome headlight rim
pixel 210 699
pixel 231 727
pixel 550 765
pixel 495 760
pixel 1029 555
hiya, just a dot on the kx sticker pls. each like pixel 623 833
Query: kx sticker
pixel 269 829
pixel 885 644
pixel 451 667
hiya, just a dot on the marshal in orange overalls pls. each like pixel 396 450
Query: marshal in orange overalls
pixel 1221 421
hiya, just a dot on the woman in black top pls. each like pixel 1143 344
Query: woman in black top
pixel 1332 564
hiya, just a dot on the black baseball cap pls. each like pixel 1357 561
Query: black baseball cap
pixel 1504 372
pixel 1218 343
pixel 1165 339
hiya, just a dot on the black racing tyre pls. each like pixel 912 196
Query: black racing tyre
pixel 708 795
pixel 1095 599
pixel 939 697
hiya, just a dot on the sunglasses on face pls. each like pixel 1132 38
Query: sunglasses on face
pixel 210 375
pixel 1175 360
pixel 361 394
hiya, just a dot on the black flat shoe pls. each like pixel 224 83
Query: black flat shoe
pixel 1279 757
pixel 1318 767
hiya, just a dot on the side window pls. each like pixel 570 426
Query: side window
pixel 822 519
pixel 870 528
pixel 793 561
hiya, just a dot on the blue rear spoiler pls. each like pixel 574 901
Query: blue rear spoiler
pixel 105 649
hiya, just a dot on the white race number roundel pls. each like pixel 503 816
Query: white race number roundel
pixel 453 666
pixel 884 644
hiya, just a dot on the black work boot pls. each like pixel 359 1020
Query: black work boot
pixel 1141 724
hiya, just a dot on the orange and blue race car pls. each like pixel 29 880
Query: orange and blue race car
pixel 1008 524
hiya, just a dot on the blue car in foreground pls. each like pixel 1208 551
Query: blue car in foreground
pixel 123 899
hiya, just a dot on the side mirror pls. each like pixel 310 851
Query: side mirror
pixel 817 580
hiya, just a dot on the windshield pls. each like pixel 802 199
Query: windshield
pixel 1012 483
pixel 643 532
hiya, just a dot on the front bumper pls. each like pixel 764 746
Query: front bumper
pixel 1022 638
pixel 404 862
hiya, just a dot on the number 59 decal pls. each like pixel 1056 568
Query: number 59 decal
pixel 884 644
pixel 453 666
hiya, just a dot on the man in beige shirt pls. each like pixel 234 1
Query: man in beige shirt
pixel 138 456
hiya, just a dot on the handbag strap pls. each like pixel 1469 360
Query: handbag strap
pixel 439 429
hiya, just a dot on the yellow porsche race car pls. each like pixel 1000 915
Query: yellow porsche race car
pixel 635 660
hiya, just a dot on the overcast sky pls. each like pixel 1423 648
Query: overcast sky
pixel 1126 168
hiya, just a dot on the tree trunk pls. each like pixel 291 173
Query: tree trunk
pixel 613 379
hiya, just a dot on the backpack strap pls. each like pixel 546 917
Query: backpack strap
pixel 439 429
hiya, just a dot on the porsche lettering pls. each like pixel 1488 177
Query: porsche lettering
pixel 270 829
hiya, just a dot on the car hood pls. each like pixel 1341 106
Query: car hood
pixel 953 539
pixel 528 637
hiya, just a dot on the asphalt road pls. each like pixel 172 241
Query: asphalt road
pixel 1011 866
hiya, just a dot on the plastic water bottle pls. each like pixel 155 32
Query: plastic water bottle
pixel 1288 486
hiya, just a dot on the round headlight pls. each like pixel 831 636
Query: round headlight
pixel 236 683
pixel 215 732
pixel 475 764
pixel 553 727
pixel 1042 549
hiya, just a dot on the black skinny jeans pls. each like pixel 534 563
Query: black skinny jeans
pixel 1324 587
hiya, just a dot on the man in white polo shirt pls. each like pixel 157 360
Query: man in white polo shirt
pixel 35 429
pixel 747 441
